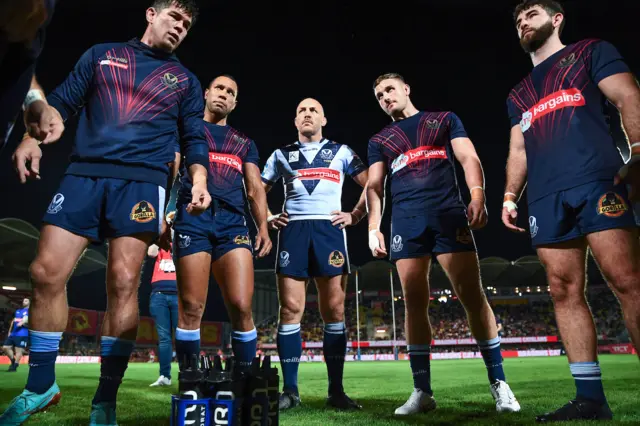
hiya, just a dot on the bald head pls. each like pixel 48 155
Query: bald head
pixel 310 120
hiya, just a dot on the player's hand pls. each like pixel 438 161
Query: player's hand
pixel 376 244
pixel 43 122
pixel 509 218
pixel 630 174
pixel 278 221
pixel 26 160
pixel 200 199
pixel 477 214
pixel 263 243
pixel 343 219
pixel 164 241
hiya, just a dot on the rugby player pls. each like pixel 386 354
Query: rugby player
pixel 18 336
pixel 429 219
pixel 217 243
pixel 137 97
pixel 562 148
pixel 312 244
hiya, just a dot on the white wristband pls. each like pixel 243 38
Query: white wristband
pixel 510 205
pixel 33 95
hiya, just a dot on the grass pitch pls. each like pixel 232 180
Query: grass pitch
pixel 460 388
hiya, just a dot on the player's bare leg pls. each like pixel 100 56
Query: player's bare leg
pixel 18 356
pixel 120 324
pixel 291 295
pixel 463 271
pixel 58 253
pixel 414 274
pixel 331 296
pixel 9 351
pixel 193 272
pixel 234 274
pixel 565 267
pixel 617 252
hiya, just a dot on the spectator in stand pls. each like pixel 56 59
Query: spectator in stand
pixel 500 326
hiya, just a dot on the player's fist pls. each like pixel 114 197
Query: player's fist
pixel 376 244
pixel 200 199
pixel 43 122
pixel 477 214
pixel 630 174
pixel 26 160
pixel 263 242
pixel 278 221
pixel 510 216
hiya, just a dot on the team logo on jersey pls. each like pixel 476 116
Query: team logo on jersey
pixel 552 103
pixel 567 61
pixel 463 235
pixel 170 80
pixel 56 204
pixel 143 212
pixel 396 243
pixel 533 226
pixel 612 205
pixel 284 259
pixel 326 154
pixel 336 258
pixel 294 156
pixel 433 124
pixel 242 239
pixel 184 241
pixel 418 154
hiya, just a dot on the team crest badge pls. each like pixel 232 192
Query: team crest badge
pixel 170 80
pixel 567 61
pixel 612 205
pixel 525 123
pixel 143 212
pixel 533 226
pixel 242 239
pixel 433 124
pixel 463 236
pixel 336 258
pixel 326 154
pixel 396 243
pixel 56 204
pixel 284 259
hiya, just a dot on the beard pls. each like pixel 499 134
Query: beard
pixel 537 38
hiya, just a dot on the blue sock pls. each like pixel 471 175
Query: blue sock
pixel 114 353
pixel 334 346
pixel 289 350
pixel 420 366
pixel 588 379
pixel 187 344
pixel 490 350
pixel 244 344
pixel 43 352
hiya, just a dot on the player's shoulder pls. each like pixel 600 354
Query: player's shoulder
pixel 239 137
pixel 295 146
pixel 103 48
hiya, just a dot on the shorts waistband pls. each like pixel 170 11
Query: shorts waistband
pixel 311 217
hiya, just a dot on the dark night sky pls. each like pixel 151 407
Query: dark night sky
pixel 457 55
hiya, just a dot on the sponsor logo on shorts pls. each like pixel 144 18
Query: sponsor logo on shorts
pixel 418 154
pixel 463 236
pixel 533 226
pixel 433 124
pixel 396 243
pixel 612 205
pixel 319 174
pixel 554 102
pixel 143 212
pixel 336 258
pixel 294 156
pixel 230 160
pixel 170 80
pixel 284 259
pixel 56 204
pixel 567 61
pixel 184 241
pixel 242 239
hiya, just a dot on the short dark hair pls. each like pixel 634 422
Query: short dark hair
pixel 388 76
pixel 189 6
pixel 550 6
pixel 229 76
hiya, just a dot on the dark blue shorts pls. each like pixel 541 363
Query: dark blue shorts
pixel 102 208
pixel 216 231
pixel 17 341
pixel 428 234
pixel 576 212
pixel 312 248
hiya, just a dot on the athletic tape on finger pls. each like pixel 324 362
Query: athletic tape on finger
pixel 374 242
pixel 510 205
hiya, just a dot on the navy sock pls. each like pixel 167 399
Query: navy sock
pixel 42 360
pixel 244 344
pixel 490 350
pixel 334 346
pixel 187 344
pixel 289 350
pixel 588 379
pixel 419 359
pixel 114 353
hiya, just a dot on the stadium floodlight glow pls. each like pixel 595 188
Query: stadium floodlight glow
pixel 539 290
pixel 519 294
pixel 9 288
pixel 381 331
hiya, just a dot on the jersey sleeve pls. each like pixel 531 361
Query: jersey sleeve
pixel 271 172
pixel 606 61
pixel 194 145
pixel 374 152
pixel 351 163
pixel 456 128
pixel 252 154
pixel 514 115
pixel 69 97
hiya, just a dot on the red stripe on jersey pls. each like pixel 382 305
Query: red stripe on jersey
pixel 230 160
pixel 319 173
pixel 417 154
pixel 554 102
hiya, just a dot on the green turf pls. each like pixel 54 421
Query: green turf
pixel 460 387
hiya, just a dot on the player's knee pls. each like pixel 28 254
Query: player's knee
pixel 333 313
pixel 191 312
pixel 627 285
pixel 45 277
pixel 566 289
pixel 291 313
